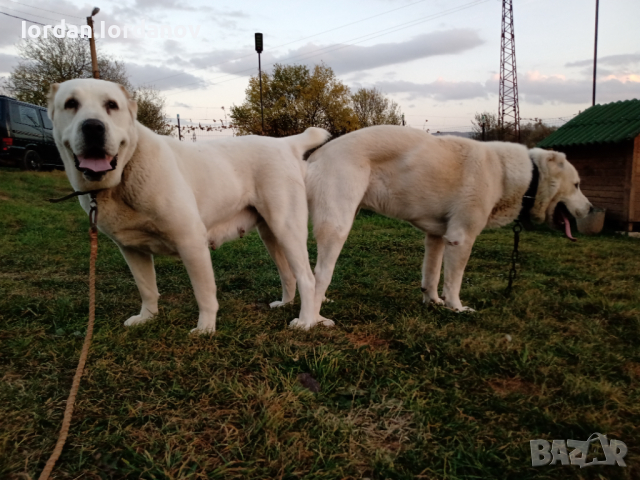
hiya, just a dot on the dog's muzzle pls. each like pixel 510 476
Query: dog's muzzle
pixel 94 162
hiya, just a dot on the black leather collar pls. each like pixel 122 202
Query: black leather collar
pixel 529 198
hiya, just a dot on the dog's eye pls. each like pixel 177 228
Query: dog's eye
pixel 72 103
pixel 111 105
pixel 577 185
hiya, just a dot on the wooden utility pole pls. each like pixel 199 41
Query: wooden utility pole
pixel 484 123
pixel 92 44
pixel 595 56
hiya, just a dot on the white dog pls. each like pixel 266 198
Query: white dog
pixel 449 187
pixel 162 196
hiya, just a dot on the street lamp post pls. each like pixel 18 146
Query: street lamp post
pixel 92 44
pixel 259 50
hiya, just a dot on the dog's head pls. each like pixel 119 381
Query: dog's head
pixel 558 192
pixel 94 126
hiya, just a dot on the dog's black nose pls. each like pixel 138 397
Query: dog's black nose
pixel 93 128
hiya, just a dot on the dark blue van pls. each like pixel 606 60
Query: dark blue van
pixel 26 136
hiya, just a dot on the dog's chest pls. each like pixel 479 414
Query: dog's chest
pixel 132 229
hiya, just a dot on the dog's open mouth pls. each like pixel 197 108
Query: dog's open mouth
pixel 94 167
pixel 561 220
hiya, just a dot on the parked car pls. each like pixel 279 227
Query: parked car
pixel 26 136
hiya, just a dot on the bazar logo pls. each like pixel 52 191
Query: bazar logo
pixel 544 453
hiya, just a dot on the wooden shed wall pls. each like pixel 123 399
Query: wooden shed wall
pixel 605 176
pixel 634 214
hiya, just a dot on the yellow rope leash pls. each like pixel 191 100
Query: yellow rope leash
pixel 68 411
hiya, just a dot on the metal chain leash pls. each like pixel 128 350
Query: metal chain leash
pixel 517 228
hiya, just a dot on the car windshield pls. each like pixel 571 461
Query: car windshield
pixel 45 120
pixel 28 116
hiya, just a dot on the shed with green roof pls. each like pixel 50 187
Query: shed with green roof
pixel 603 143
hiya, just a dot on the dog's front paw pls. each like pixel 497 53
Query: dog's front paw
pixel 434 301
pixel 465 310
pixel 203 331
pixel 325 321
pixel 297 323
pixel 137 320
pixel 278 303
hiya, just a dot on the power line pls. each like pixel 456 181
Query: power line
pixel 25 19
pixel 44 9
pixel 29 13
pixel 334 48
pixel 289 43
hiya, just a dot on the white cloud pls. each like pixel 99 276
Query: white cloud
pixel 533 87
pixel 7 62
pixel 440 90
pixel 346 58
pixel 162 78
pixel 539 89
pixel 610 60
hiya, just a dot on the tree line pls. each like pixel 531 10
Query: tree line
pixel 530 133
pixel 45 61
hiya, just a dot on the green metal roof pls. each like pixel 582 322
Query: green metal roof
pixel 610 123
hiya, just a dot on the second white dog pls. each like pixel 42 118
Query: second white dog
pixel 451 188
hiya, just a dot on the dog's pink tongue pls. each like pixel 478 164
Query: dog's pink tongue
pixel 567 228
pixel 96 164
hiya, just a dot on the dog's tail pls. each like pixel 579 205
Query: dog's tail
pixel 308 141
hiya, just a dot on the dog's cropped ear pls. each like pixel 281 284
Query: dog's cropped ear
pixel 557 157
pixel 131 103
pixel 50 99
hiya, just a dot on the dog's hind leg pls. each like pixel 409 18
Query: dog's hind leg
pixel 334 199
pixel 287 218
pixel 431 268
pixel 141 266
pixel 330 237
pixel 287 277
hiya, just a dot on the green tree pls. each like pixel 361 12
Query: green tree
pixel 151 111
pixel 295 98
pixel 371 107
pixel 54 60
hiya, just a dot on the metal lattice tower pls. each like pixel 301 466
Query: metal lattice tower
pixel 509 111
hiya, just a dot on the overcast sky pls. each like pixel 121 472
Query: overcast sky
pixel 438 59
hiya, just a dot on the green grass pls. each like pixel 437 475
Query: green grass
pixel 407 391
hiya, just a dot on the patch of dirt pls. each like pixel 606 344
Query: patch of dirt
pixel 633 369
pixel 507 386
pixel 373 342
pixel 4 197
